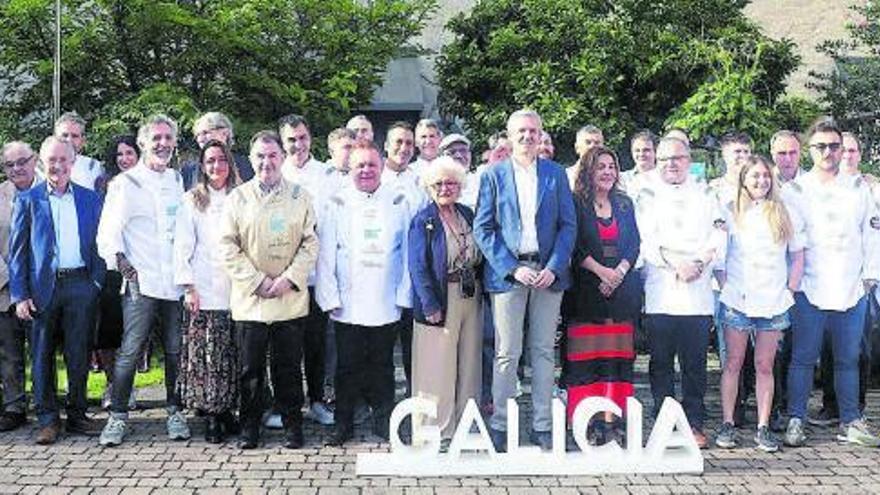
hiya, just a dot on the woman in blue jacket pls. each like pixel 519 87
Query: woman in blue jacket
pixel 444 266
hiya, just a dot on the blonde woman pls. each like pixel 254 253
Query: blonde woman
pixel 765 261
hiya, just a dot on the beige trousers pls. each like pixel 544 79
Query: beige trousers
pixel 447 360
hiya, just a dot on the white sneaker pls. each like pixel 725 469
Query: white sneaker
pixel 177 427
pixel 321 414
pixel 113 433
pixel 273 421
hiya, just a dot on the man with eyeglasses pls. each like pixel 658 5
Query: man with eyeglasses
pixel 213 126
pixel 19 165
pixel 841 264
pixel 71 128
pixel 682 242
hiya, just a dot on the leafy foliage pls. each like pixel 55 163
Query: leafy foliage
pixel 623 65
pixel 254 59
pixel 850 90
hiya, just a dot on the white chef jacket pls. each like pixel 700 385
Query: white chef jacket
pixel 311 177
pixel 756 265
pixel 138 220
pixel 197 261
pixel 362 276
pixel 407 184
pixel 86 171
pixel 632 181
pixel 679 223
pixel 842 247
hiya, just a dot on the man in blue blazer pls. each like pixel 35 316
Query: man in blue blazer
pixel 525 226
pixel 55 275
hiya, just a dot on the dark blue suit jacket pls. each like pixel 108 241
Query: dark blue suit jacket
pixel 497 226
pixel 32 243
pixel 427 260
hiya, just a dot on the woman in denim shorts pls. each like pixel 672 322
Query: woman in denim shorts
pixel 765 261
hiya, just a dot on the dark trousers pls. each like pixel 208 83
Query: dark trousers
pixel 688 338
pixel 69 317
pixel 314 334
pixel 826 371
pixel 780 373
pixel 284 342
pixel 405 331
pixel 365 362
pixel 12 337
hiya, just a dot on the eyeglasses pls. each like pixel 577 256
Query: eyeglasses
pixel 21 162
pixel 822 147
pixel 666 159
pixel 456 150
pixel 448 184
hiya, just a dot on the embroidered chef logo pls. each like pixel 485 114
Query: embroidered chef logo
pixel 875 223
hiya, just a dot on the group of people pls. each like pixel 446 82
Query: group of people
pixel 279 269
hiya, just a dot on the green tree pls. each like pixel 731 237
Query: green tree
pixel 622 65
pixel 254 59
pixel 850 90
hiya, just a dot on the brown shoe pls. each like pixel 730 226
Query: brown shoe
pixel 47 435
pixel 700 437
pixel 83 425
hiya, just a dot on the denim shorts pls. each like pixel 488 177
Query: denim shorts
pixel 731 318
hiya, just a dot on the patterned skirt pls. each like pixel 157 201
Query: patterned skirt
pixel 208 374
pixel 600 360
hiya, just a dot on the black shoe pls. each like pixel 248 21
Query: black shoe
pixel 294 438
pixel 83 425
pixel 340 436
pixel 250 438
pixel 499 440
pixel 778 421
pixel 10 421
pixel 213 429
pixel 542 439
pixel 230 425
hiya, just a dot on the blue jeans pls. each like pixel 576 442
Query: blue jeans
pixel 845 328
pixel 70 316
pixel 139 313
pixel 488 351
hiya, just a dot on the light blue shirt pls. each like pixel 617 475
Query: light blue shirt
pixel 66 224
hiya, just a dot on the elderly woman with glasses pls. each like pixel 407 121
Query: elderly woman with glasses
pixel 444 264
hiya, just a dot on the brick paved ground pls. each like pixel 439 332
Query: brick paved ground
pixel 147 463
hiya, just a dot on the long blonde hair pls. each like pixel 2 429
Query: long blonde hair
pixel 774 210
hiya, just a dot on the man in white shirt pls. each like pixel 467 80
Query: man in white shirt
pixel 136 238
pixel 70 127
pixel 785 150
pixel 400 178
pixel 427 139
pixel 643 154
pixel 587 138
pixel 363 281
pixel 525 225
pixel 851 157
pixel 682 241
pixel 841 263
pixel 300 167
